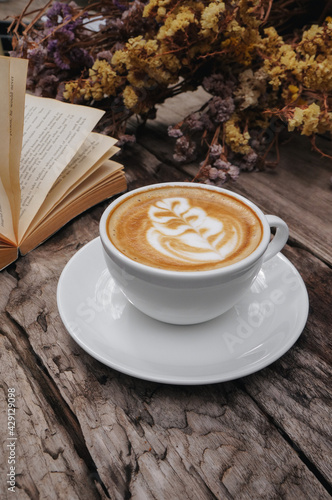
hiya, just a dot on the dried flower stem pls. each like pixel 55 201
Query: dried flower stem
pixel 316 148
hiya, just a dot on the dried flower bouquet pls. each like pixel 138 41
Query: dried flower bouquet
pixel 265 68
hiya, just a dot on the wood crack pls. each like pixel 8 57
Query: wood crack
pixel 294 243
pixel 301 455
pixel 64 414
pixel 306 461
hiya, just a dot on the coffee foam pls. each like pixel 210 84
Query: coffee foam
pixel 184 228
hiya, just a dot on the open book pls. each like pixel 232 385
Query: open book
pixel 52 167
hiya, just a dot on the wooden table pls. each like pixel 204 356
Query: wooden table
pixel 86 431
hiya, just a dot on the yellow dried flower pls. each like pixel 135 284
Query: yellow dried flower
pixel 325 123
pixel 134 101
pixel 130 97
pixel 240 43
pixel 311 119
pixel 70 90
pixel 291 93
pixel 157 8
pixel 297 119
pixel 103 76
pixel 95 92
pixel 120 60
pixel 307 119
pixel 146 63
pixel 309 62
pixel 178 21
pixel 211 17
pixel 293 89
pixel 238 141
pixel 103 81
pixel 252 86
pixel 318 75
pixel 317 39
pixel 248 12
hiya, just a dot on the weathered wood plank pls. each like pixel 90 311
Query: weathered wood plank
pixel 37 444
pixel 295 391
pixel 151 440
pixel 142 168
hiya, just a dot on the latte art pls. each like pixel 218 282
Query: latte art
pixel 184 228
pixel 188 234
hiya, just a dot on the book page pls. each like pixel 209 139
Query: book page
pixel 92 154
pixel 96 149
pixel 6 222
pixel 53 133
pixel 18 75
pixel 12 95
pixel 6 229
pixel 4 121
pixel 106 181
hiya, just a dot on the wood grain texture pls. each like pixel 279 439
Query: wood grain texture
pixel 296 391
pixel 47 463
pixel 87 431
pixel 150 440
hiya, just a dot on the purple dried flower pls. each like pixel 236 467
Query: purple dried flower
pixel 113 25
pixel 221 109
pixel 206 122
pixel 222 176
pixel 194 122
pixel 249 161
pixel 213 173
pixel 221 164
pixel 60 28
pixel 233 172
pixel 59 61
pixel 217 85
pixel 52 45
pixel 125 139
pixel 58 13
pixel 135 8
pixel 184 150
pixel 38 54
pixel 67 59
pixel 80 57
pixel 215 151
pixel 174 131
pixel 47 85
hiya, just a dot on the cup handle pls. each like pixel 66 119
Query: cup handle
pixel 280 238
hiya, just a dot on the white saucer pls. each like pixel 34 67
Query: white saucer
pixel 256 332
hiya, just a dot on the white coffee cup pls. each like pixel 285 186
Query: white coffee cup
pixel 189 297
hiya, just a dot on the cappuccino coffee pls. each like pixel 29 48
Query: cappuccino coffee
pixel 184 228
